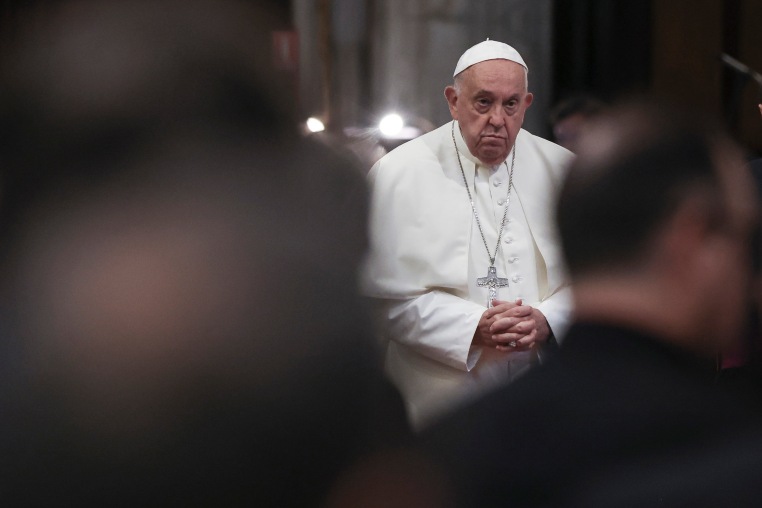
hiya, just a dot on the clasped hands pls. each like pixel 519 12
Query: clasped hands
pixel 507 323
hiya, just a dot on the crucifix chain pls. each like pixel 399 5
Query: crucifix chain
pixel 491 281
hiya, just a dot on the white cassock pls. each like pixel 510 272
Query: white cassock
pixel 426 254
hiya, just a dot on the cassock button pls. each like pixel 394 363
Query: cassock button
pixel 513 260
pixel 497 183
pixel 508 239
pixel 517 278
pixel 501 201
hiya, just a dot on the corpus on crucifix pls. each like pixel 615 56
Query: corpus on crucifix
pixel 492 281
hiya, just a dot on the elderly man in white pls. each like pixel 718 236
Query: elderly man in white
pixel 464 259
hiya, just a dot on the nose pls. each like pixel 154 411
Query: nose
pixel 496 117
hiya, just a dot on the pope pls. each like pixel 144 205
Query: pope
pixel 464 261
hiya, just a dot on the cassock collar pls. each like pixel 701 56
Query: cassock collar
pixel 465 152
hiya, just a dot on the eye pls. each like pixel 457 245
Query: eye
pixel 482 104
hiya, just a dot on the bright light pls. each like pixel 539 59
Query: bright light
pixel 391 125
pixel 315 125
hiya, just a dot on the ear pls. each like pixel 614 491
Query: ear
pixel 452 101
pixel 689 245
pixel 528 99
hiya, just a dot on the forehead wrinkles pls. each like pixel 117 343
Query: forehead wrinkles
pixel 495 76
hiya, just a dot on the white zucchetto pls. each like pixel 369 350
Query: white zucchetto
pixel 488 50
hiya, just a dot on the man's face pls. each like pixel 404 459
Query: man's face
pixel 728 267
pixel 489 105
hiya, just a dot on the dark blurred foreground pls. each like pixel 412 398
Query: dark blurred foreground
pixel 178 307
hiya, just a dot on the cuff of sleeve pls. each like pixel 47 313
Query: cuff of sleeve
pixel 474 352
pixel 473 356
pixel 557 310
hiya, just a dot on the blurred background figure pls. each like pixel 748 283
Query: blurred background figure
pixel 178 303
pixel 568 118
pixel 742 363
pixel 655 219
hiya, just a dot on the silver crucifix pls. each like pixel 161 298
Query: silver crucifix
pixel 492 281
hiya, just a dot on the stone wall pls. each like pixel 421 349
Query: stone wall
pixel 399 55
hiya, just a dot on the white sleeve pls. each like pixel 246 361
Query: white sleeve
pixel 438 325
pixel 557 309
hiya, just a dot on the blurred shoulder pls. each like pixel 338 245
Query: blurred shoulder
pixel 423 151
pixel 548 148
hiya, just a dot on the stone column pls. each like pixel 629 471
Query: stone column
pixel 415 46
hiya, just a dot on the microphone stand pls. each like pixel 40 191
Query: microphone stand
pixel 742 68
pixel 745 73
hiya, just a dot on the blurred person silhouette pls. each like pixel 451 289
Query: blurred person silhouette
pixel 655 220
pixel 742 363
pixel 179 306
pixel 568 117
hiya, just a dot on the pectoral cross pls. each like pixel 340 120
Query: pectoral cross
pixel 492 281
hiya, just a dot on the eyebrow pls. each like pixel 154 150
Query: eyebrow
pixel 516 95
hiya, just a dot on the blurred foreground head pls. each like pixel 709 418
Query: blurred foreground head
pixel 178 268
pixel 656 219
pixel 568 117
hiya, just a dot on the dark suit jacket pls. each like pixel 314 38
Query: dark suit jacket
pixel 613 403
